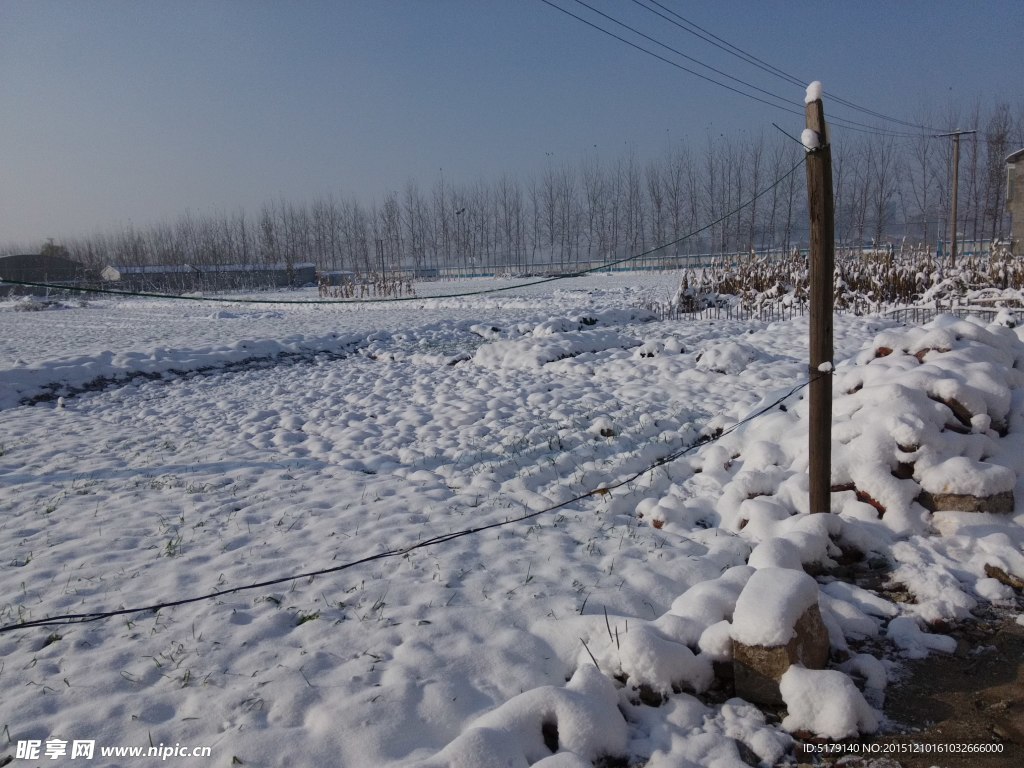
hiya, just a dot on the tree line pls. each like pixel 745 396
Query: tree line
pixel 573 215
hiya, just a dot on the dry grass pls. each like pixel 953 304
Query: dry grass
pixel 865 282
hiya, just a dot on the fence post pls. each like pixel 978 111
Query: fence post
pixel 822 267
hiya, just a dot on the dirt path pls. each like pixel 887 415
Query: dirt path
pixel 973 697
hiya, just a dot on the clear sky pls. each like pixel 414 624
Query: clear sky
pixel 134 111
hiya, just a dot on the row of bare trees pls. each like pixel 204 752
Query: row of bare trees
pixel 600 210
pixel 567 215
pixel 887 185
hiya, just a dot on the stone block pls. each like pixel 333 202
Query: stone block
pixel 758 669
pixel 1000 503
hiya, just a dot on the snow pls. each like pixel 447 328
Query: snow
pixel 994 591
pixel 825 702
pixel 584 714
pixel 811 139
pixel 649 658
pixel 872 671
pixel 727 357
pixel 814 91
pixel 154 450
pixel 770 604
pixel 963 475
pixel 915 643
pixel 867 602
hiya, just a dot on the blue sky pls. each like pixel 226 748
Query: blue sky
pixel 133 112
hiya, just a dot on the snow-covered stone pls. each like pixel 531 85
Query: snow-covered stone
pixel 649 658
pixel 777 623
pixel 770 604
pixel 583 717
pixel 825 702
pixel 727 357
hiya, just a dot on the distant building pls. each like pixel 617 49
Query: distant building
pixel 424 273
pixel 336 277
pixel 36 268
pixel 151 278
pixel 156 278
pixel 1015 199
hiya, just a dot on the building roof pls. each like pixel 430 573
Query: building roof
pixel 1015 156
pixel 152 269
pixel 34 267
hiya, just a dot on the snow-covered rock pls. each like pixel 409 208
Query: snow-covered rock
pixel 825 702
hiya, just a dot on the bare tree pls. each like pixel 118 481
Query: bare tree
pixel 510 220
pixel 678 165
pixel 753 173
pixel 634 205
pixel 390 231
pixel 569 215
pixel 417 225
pixel 884 172
pixel 656 200
pixel 920 177
pixel 443 213
pixel 534 197
pixel 998 130
pixel 969 200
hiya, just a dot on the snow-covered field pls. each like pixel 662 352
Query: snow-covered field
pixel 198 447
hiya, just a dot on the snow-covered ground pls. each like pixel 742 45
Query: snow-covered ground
pixel 200 447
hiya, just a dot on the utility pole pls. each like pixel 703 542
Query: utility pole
pixel 956 185
pixel 820 206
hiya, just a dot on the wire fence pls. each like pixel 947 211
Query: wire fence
pixel 920 315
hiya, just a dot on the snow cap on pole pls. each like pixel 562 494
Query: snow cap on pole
pixel 810 139
pixel 813 92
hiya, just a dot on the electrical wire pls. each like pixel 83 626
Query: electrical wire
pixel 750 58
pixel 685 56
pixel 793 109
pixel 675 64
pixel 715 40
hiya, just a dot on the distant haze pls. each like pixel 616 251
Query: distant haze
pixel 132 113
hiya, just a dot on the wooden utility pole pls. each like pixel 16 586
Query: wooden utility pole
pixel 956 186
pixel 822 266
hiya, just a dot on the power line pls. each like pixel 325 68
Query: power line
pixel 675 64
pixel 851 125
pixel 685 56
pixel 750 58
pixel 724 45
pixel 604 488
